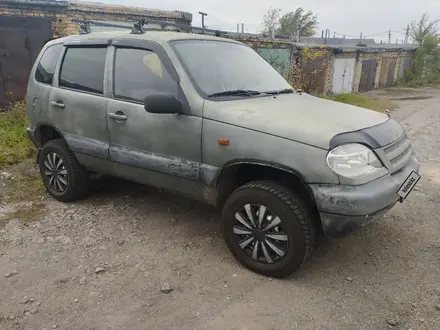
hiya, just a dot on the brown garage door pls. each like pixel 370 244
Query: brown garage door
pixel 368 75
pixel 387 72
pixel 21 39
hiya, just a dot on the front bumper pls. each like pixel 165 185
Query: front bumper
pixel 345 208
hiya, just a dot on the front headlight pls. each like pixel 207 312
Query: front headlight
pixel 353 160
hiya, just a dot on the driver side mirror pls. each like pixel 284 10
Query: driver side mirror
pixel 162 103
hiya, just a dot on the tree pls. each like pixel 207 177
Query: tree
pixel 298 20
pixel 426 62
pixel 271 21
pixel 424 29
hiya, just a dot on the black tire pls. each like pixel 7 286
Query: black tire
pixel 295 223
pixel 77 177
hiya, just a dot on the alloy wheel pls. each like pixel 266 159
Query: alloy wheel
pixel 56 172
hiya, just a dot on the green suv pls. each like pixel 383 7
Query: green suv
pixel 209 118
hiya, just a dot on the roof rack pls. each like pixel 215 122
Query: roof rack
pixel 141 26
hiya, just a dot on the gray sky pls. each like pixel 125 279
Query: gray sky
pixel 342 16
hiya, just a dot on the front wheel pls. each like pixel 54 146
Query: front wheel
pixel 268 228
pixel 64 178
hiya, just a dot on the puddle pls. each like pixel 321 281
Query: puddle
pixel 26 213
pixel 411 98
pixel 5 210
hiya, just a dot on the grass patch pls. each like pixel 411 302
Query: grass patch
pixel 27 183
pixel 15 145
pixel 361 101
pixel 17 155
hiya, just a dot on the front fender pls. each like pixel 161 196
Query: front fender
pixel 308 162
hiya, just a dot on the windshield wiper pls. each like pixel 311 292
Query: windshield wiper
pixel 281 91
pixel 237 92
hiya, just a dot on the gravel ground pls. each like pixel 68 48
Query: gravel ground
pixel 131 257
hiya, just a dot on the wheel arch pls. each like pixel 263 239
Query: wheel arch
pixel 239 172
pixel 45 132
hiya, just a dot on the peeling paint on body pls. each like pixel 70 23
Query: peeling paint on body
pixel 155 162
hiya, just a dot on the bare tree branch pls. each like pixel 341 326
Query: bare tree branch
pixel 271 21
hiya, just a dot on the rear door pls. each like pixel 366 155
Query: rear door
pixel 157 149
pixel 77 104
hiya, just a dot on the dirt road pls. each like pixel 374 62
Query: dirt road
pixel 102 263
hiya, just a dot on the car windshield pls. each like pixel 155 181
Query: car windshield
pixel 218 67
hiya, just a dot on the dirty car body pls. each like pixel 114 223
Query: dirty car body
pixel 217 117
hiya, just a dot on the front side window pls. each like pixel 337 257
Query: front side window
pixel 83 69
pixel 140 72
pixel 217 67
pixel 46 67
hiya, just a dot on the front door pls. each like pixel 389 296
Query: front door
pixel 162 150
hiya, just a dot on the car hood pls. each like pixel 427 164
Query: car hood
pixel 300 117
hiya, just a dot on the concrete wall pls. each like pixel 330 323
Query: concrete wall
pixel 288 58
pixel 62 12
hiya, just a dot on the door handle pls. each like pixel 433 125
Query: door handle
pixel 59 105
pixel 117 116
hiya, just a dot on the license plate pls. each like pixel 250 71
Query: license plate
pixel 408 185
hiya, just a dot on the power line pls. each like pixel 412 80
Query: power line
pixel 365 36
pixel 400 32
pixel 378 34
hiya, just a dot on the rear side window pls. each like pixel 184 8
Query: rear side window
pixel 140 72
pixel 83 69
pixel 46 67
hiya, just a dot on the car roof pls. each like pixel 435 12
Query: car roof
pixel 157 36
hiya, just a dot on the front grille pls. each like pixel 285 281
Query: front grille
pixel 398 153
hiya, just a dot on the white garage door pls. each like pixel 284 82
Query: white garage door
pixel 343 75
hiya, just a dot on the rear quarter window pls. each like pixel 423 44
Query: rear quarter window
pixel 46 68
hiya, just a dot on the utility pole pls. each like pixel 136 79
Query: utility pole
pixel 203 19
pixel 297 35
pixel 407 35
pixel 360 40
pixel 238 27
pixel 389 36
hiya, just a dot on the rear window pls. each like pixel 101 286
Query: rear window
pixel 83 69
pixel 46 67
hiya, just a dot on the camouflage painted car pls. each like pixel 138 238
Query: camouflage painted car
pixel 207 117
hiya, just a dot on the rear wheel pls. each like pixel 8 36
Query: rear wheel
pixel 64 178
pixel 268 228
